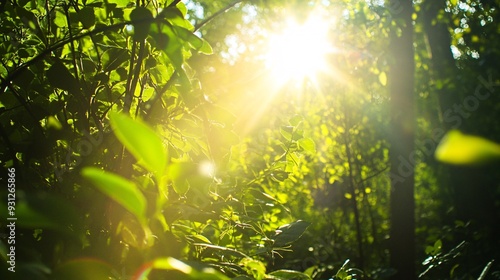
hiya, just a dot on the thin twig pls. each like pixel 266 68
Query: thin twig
pixel 216 14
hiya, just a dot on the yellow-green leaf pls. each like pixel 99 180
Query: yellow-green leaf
pixel 142 142
pixel 382 77
pixel 170 263
pixel 206 48
pixel 459 148
pixel 307 144
pixel 121 190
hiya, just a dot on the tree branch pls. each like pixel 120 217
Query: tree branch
pixel 216 14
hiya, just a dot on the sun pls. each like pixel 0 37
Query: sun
pixel 299 51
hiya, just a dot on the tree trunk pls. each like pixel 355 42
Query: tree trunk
pixel 402 124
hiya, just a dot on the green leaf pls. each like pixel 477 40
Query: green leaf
pixel 205 48
pixel 121 190
pixel 287 132
pixel 254 267
pixel 459 148
pixel 45 211
pixel 289 233
pixel 307 144
pixel 113 58
pixel 142 142
pixel 199 238
pixel 175 16
pixel 194 41
pixel 60 77
pixel 119 3
pixel 142 18
pixel 178 173
pixel 204 273
pixel 222 250
pixel 289 274
pixel 382 77
pixel 279 176
pixel 87 17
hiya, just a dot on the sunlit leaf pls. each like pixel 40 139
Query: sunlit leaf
pixel 287 132
pixel 199 238
pixel 120 3
pixel 223 250
pixel 182 8
pixel 178 173
pixel 279 176
pixel 175 16
pixel 289 274
pixel 382 77
pixel 60 19
pixel 83 269
pixel 121 190
pixel 254 267
pixel 307 144
pixel 289 233
pixel 204 273
pixel 53 123
pixel 142 142
pixel 194 41
pixel 459 148
pixel 206 48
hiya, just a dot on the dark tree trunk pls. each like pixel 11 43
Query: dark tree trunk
pixel 402 122
pixel 442 61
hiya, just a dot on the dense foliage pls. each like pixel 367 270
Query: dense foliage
pixel 150 141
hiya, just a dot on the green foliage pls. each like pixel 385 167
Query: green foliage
pixel 142 142
pixel 120 190
pixel 137 154
pixel 194 274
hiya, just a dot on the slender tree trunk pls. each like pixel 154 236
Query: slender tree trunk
pixel 402 124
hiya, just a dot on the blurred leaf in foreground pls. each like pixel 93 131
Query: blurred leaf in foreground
pixel 459 148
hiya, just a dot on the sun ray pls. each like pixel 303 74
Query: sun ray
pixel 299 51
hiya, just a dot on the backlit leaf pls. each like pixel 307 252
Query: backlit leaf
pixel 142 16
pixel 254 267
pixel 205 273
pixel 121 190
pixel 289 274
pixel 289 233
pixel 307 144
pixel 120 3
pixel 206 48
pixel 382 77
pixel 87 17
pixel 142 142
pixel 459 148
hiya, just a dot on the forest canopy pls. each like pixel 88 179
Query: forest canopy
pixel 249 139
